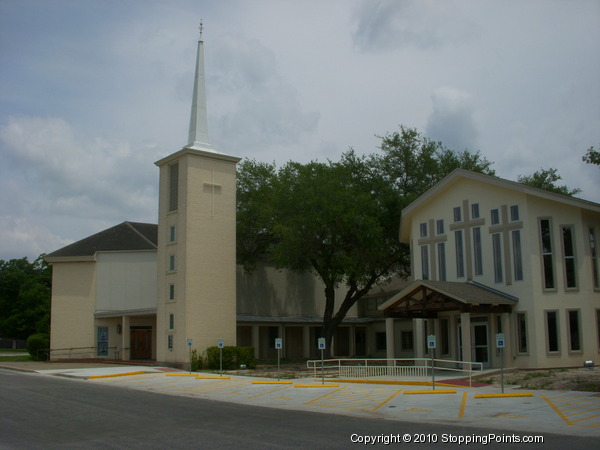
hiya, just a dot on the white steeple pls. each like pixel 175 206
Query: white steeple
pixel 198 136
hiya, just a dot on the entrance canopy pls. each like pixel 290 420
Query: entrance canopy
pixel 425 299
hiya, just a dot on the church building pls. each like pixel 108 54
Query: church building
pixel 140 291
pixel 489 256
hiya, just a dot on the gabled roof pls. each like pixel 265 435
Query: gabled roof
pixel 458 174
pixel 127 236
pixel 426 297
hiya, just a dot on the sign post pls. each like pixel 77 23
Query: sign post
pixel 220 344
pixel 500 344
pixel 189 343
pixel 278 346
pixel 322 347
pixel 431 343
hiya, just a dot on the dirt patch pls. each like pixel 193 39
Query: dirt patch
pixel 580 379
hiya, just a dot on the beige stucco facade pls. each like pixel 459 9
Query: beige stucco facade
pixel 548 326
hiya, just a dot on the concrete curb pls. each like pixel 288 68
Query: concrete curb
pixel 439 391
pixel 515 394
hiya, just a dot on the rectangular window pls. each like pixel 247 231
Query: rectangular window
pixel 171 262
pixel 425 262
pixel 442 261
pixel 569 257
pixel 445 332
pixel 594 253
pixel 170 341
pixel 574 330
pixel 172 233
pixel 477 252
pixel 522 332
pixel 460 258
pixel 171 291
pixel 171 321
pixel 173 187
pixel 514 213
pixel 552 331
pixel 547 255
pixel 517 257
pixel 440 226
pixel 406 339
pixel 457 214
pixel 475 211
pixel 497 254
pixel 495 216
pixel 423 229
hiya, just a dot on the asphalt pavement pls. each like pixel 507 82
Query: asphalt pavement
pixel 524 412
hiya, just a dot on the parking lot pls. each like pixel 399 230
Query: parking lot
pixel 576 413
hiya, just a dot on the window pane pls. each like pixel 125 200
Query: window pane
pixel 517 258
pixel 547 256
pixel 425 262
pixel 423 229
pixel 440 226
pixel 460 261
pixel 569 256
pixel 574 335
pixel 477 254
pixel 442 261
pixel 497 248
pixel 514 213
pixel 546 237
pixel 495 217
pixel 552 327
pixel 475 211
pixel 457 214
pixel 522 332
pixel 594 252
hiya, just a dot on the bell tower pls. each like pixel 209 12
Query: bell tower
pixel 196 240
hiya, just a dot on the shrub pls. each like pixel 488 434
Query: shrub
pixel 233 357
pixel 37 345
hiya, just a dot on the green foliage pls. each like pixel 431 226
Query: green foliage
pixel 37 346
pixel 233 357
pixel 547 179
pixel 25 290
pixel 339 220
pixel 592 156
pixel 413 163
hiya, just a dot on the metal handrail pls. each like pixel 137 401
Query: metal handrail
pixel 79 352
pixel 366 367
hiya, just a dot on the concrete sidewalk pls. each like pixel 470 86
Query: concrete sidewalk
pixel 516 412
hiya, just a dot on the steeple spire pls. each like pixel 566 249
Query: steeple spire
pixel 198 136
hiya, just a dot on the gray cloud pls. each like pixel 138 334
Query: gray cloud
pixel 452 120
pixel 391 24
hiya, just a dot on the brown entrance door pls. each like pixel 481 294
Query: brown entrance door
pixel 141 343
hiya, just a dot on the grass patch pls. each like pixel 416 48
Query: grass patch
pixel 15 358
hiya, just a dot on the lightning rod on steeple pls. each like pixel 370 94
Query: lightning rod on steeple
pixel 201 28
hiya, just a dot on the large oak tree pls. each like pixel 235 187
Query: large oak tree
pixel 339 220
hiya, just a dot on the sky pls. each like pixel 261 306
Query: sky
pixel 93 92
